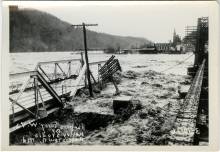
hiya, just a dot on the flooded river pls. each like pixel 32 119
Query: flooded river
pixel 150 79
pixel 21 62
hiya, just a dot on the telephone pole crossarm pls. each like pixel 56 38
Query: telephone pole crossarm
pixel 80 25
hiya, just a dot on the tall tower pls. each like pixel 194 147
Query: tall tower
pixel 174 36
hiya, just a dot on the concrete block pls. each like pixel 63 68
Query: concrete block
pixel 192 71
pixel 183 90
pixel 122 105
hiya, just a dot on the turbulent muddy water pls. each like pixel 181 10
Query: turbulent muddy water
pixel 144 79
pixel 21 62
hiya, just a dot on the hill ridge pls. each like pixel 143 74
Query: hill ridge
pixel 36 31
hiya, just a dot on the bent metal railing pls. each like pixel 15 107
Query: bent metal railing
pixel 35 94
pixel 185 125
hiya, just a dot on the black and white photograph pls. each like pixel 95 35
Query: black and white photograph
pixel 109 74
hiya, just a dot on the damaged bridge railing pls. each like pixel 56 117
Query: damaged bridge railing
pixel 35 94
pixel 185 129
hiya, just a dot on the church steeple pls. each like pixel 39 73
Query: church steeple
pixel 174 35
pixel 176 38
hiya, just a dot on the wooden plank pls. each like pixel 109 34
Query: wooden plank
pixel 107 67
pixel 112 64
pixel 103 78
pixel 107 70
pixel 110 70
pixel 107 63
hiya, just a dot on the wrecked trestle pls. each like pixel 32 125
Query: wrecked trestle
pixel 36 94
pixel 67 125
pixel 194 110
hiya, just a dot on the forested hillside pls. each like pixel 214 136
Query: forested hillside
pixel 33 31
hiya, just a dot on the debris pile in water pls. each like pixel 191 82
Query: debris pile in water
pixel 155 103
pixel 131 74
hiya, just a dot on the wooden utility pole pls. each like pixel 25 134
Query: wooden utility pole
pixel 86 55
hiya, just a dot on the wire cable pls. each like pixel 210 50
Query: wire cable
pixel 178 63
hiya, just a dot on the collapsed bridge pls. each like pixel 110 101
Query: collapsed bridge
pixel 36 94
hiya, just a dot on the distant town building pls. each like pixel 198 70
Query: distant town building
pixel 163 47
pixel 172 47
pixel 151 50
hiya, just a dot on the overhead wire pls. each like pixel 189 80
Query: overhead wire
pixel 178 63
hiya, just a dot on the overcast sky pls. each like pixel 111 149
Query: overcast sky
pixel 154 21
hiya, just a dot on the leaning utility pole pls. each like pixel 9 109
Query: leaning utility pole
pixel 86 55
